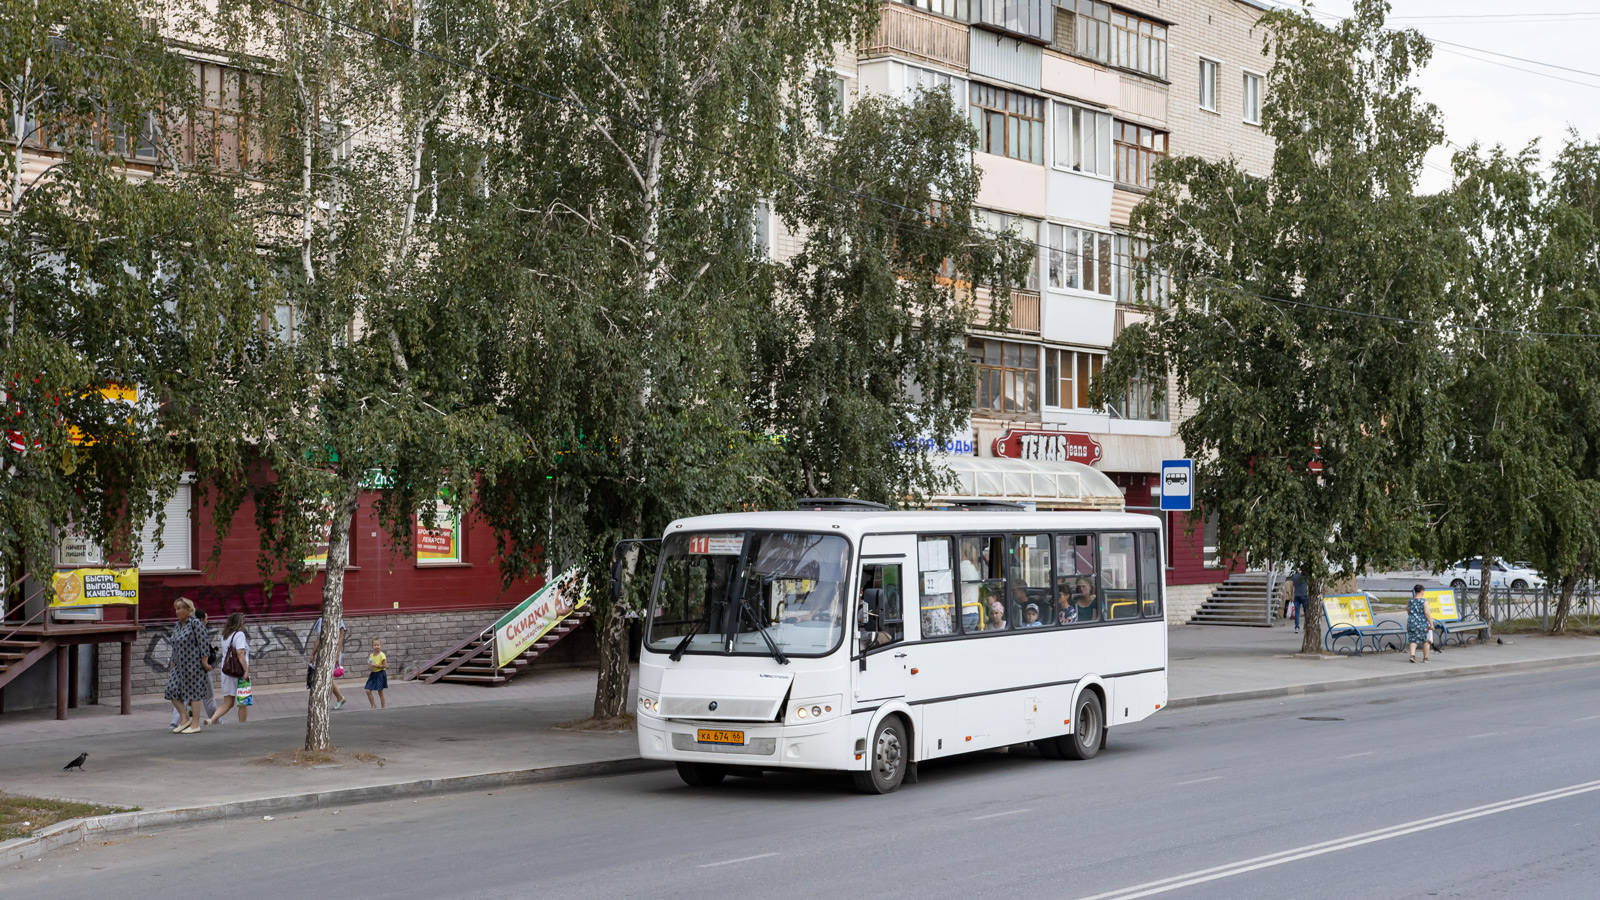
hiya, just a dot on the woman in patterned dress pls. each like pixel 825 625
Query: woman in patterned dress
pixel 186 682
pixel 1419 624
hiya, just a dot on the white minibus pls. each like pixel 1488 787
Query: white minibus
pixel 868 640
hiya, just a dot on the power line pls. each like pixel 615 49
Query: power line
pixel 849 192
pixel 1513 17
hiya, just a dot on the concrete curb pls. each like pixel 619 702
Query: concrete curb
pixel 1350 684
pixel 77 831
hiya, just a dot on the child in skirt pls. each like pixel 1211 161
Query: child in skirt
pixel 378 676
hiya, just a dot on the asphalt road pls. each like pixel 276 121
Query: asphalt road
pixel 1483 787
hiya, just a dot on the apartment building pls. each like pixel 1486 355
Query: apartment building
pixel 1074 102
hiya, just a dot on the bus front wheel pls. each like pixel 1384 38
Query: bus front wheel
pixel 701 774
pixel 891 755
pixel 1089 729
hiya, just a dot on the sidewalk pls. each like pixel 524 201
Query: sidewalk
pixel 432 732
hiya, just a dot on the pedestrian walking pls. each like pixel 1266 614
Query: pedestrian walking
pixel 210 702
pixel 1301 596
pixel 377 673
pixel 314 641
pixel 235 670
pixel 1419 624
pixel 187 681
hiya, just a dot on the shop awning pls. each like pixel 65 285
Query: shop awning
pixel 1049 485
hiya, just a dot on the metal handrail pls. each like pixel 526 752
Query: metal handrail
pixel 26 622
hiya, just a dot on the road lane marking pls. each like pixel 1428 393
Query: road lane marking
pixel 1151 888
pixel 1586 718
pixel 1199 780
pixel 1009 812
pixel 1485 734
pixel 1354 755
pixel 729 862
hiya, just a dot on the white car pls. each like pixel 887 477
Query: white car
pixel 1468 573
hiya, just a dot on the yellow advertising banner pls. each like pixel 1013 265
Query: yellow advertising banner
pixel 116 393
pixel 517 630
pixel 1347 609
pixel 1442 604
pixel 441 544
pixel 96 587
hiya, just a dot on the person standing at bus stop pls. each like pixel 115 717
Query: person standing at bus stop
pixel 1297 603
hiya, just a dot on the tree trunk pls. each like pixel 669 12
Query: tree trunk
pixel 1311 633
pixel 1483 583
pixel 611 636
pixel 318 733
pixel 1558 622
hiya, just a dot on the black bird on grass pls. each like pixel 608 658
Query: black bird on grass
pixel 76 764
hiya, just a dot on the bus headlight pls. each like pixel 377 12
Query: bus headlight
pixel 815 708
pixel 649 705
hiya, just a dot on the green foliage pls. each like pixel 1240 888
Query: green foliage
pixel 1337 231
pixel 108 278
pixel 863 351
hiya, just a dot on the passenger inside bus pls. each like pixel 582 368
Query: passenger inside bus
pixel 997 616
pixel 1030 616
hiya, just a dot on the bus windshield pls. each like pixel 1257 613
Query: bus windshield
pixel 720 591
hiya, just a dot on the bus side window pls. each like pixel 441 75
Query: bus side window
pixel 1149 575
pixel 982 584
pixel 879 613
pixel 1030 603
pixel 1076 599
pixel 938 587
pixel 1118 570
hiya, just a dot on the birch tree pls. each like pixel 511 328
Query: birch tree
pixel 374 381
pixel 639 138
pixel 1303 319
pixel 116 270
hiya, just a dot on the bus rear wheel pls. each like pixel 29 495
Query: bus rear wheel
pixel 1088 732
pixel 890 757
pixel 702 774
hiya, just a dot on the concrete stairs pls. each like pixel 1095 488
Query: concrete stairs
pixel 472 661
pixel 1241 600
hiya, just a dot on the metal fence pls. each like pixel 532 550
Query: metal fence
pixel 1537 605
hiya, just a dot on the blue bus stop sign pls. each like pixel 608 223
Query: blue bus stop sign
pixel 1177 485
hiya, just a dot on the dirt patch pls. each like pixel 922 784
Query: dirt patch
pixel 319 759
pixel 615 725
pixel 1575 627
pixel 22 816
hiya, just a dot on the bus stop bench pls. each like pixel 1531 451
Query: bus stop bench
pixel 1461 630
pixel 1349 624
pixel 1450 620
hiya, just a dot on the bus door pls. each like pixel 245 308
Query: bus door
pixel 878 655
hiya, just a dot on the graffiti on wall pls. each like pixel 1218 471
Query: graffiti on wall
pixel 266 639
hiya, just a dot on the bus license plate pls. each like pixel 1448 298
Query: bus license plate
pixel 712 736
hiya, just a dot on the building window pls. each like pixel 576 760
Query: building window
pixel 1082 140
pixel 1008 375
pixel 1093 30
pixel 954 9
pixel 1211 558
pixel 1067 376
pixel 1138 44
pixel 1079 259
pixel 221 131
pixel 1009 123
pixel 1208 84
pixel 1140 402
pixel 916 79
pixel 174 534
pixel 761 229
pixel 1131 280
pixel 1019 228
pixel 1252 98
pixel 1028 17
pixel 1137 148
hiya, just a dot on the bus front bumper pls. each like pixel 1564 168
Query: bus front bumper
pixel 766 745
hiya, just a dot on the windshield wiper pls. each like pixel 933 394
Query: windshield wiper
pixel 677 652
pixel 744 610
